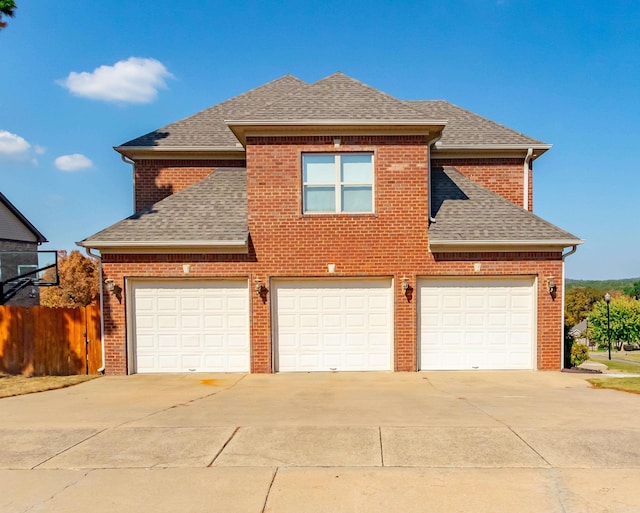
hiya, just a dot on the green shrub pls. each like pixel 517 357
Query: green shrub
pixel 579 354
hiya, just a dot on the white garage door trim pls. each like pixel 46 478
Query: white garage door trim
pixel 343 324
pixel 188 326
pixel 477 323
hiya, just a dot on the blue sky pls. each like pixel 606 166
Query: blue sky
pixel 563 72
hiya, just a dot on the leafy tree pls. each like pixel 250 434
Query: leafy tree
pixel 7 8
pixel 578 303
pixel 633 290
pixel 79 282
pixel 625 321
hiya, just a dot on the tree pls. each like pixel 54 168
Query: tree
pixel 624 321
pixel 633 291
pixel 7 8
pixel 578 302
pixel 79 282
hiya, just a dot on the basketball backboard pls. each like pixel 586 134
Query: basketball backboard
pixel 20 269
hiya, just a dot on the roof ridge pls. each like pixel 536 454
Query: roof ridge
pixel 364 84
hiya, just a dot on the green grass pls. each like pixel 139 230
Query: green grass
pixel 619 366
pixel 631 385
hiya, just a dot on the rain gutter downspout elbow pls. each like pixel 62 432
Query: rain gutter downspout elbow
pixel 527 161
pixel 99 259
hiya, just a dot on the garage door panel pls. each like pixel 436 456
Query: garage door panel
pixel 329 340
pixel 476 323
pixel 355 321
pixel 348 322
pixel 191 326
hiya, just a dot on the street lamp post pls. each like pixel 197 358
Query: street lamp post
pixel 607 298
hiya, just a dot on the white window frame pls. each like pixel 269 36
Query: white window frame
pixel 338 184
pixel 25 268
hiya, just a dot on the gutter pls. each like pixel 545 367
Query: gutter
pixel 96 257
pixel 564 256
pixel 127 160
pixel 163 244
pixel 527 160
pixel 550 242
pixel 431 144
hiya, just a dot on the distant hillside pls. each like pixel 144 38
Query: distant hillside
pixel 601 284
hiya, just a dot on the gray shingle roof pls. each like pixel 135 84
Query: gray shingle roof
pixel 214 209
pixel 337 97
pixel 208 128
pixel 464 211
pixel 466 128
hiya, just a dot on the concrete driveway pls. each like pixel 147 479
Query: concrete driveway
pixel 344 442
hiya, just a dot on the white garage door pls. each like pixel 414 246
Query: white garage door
pixel 190 326
pixel 476 323
pixel 337 324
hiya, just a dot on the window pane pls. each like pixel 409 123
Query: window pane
pixel 319 168
pixel 357 198
pixel 356 168
pixel 319 199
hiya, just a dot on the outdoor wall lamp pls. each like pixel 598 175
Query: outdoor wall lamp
pixel 113 289
pixel 551 285
pixel 261 290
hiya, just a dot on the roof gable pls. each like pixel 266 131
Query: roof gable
pixel 21 228
pixel 466 213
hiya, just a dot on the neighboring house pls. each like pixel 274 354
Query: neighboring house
pixel 19 241
pixel 330 226
pixel 579 332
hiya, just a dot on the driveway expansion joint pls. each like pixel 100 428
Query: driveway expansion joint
pixel 224 446
pixel 266 498
pixel 63 489
pixel 35 467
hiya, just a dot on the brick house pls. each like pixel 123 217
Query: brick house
pixel 19 241
pixel 330 226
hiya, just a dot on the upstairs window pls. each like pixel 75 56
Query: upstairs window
pixel 337 183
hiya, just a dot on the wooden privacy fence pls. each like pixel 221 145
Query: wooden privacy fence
pixel 43 341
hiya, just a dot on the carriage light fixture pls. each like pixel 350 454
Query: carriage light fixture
pixel 260 288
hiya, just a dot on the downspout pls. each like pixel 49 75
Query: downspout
pixel 527 160
pixel 127 160
pixel 92 255
pixel 564 255
pixel 432 143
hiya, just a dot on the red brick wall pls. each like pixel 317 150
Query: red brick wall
pixel 504 176
pixel 157 179
pixel 542 265
pixel 392 242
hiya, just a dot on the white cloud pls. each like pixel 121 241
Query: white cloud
pixel 13 146
pixel 74 162
pixel 135 80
